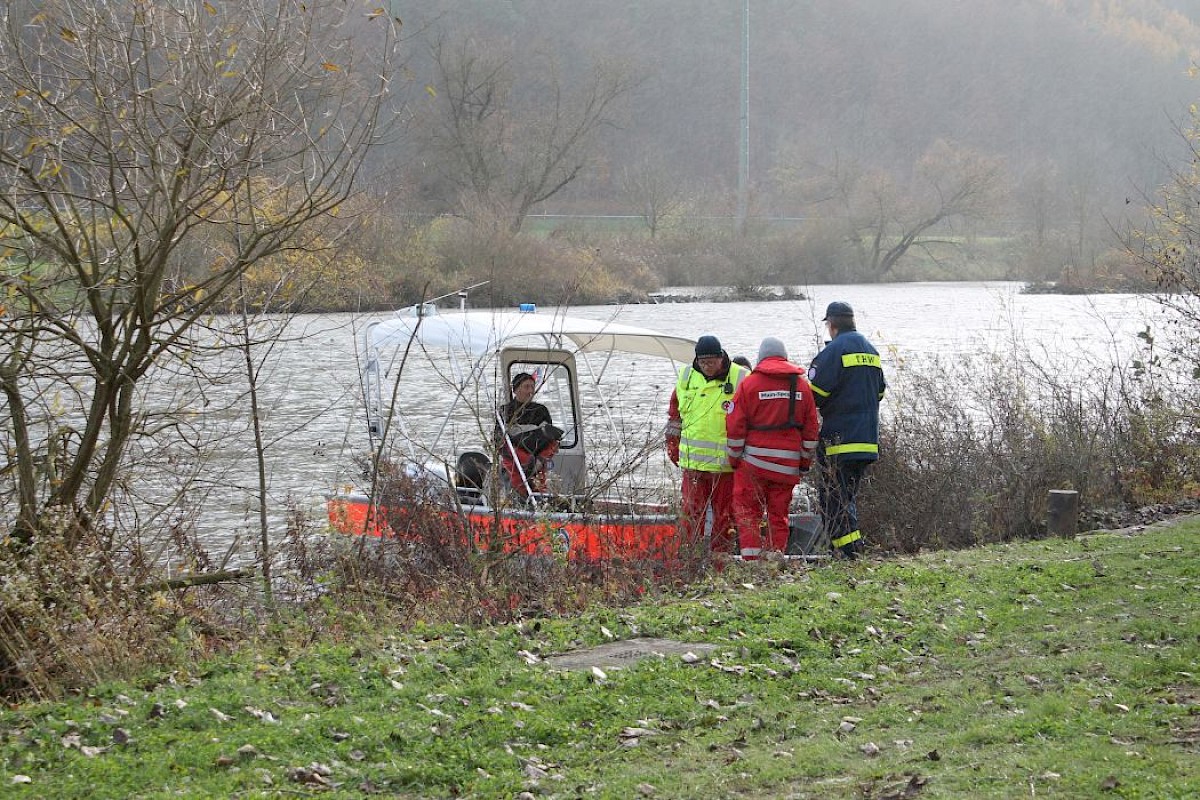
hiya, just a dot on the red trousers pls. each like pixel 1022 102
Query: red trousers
pixel 702 490
pixel 533 466
pixel 751 494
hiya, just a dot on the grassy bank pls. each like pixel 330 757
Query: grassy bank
pixel 1048 669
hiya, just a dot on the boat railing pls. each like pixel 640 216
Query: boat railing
pixel 555 505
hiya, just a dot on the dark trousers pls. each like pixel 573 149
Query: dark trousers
pixel 837 491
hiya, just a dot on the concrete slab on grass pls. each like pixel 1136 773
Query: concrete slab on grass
pixel 627 652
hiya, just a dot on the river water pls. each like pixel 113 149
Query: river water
pixel 314 422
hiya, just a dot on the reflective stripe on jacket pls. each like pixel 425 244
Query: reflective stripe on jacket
pixel 773 427
pixel 702 405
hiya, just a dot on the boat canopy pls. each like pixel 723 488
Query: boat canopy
pixel 482 332
pixel 481 335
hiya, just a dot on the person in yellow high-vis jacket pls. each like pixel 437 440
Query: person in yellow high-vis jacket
pixel 696 442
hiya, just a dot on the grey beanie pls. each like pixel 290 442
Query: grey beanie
pixel 771 347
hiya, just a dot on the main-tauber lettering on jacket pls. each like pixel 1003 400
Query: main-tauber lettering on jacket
pixel 778 394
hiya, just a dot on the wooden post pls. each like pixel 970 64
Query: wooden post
pixel 1063 514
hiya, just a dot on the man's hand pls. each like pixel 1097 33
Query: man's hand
pixel 673 449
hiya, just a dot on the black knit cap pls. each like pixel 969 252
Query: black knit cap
pixel 708 346
pixel 520 378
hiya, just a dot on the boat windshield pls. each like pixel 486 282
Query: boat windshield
pixel 555 390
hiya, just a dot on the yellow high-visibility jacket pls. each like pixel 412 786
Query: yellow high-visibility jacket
pixel 703 404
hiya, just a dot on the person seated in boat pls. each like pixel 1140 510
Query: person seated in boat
pixel 529 433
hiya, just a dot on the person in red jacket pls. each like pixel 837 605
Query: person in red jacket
pixel 772 438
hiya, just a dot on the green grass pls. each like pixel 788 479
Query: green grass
pixel 617 225
pixel 1054 669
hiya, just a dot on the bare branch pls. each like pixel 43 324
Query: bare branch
pixel 150 155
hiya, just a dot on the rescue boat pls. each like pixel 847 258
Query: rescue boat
pixel 433 382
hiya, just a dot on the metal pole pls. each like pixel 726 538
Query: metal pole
pixel 744 149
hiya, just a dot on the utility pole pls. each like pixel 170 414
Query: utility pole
pixel 744 148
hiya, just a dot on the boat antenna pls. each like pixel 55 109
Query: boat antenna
pixel 461 294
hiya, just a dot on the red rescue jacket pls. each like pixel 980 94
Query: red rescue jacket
pixel 773 427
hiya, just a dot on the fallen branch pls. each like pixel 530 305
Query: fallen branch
pixel 200 579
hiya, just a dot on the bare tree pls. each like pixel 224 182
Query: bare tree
pixel 882 220
pixel 1038 196
pixel 508 139
pixel 654 191
pixel 134 134
pixel 1167 247
pixel 1083 203
pixel 958 183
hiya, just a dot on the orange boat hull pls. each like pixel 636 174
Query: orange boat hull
pixel 590 537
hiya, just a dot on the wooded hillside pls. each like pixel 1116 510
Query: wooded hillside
pixel 1072 95
pixel 882 136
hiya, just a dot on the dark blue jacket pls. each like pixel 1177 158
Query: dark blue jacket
pixel 847 383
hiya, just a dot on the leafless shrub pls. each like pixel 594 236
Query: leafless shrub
pixel 970 452
pixel 74 615
pixel 436 565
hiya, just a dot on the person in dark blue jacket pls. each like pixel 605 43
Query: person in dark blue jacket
pixel 848 384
